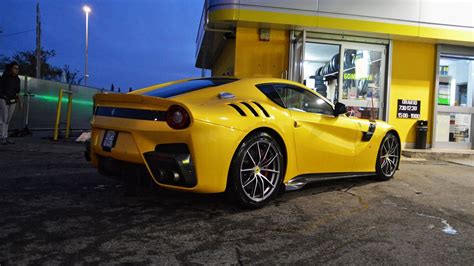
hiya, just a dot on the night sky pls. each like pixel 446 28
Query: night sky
pixel 132 43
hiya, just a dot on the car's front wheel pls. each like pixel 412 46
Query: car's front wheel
pixel 388 157
pixel 256 172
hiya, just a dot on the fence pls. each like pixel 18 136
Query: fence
pixel 39 102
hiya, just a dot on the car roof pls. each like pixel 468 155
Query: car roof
pixel 252 81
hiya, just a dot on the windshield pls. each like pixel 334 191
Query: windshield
pixel 187 86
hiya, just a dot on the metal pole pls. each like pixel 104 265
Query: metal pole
pixel 27 103
pixel 58 115
pixel 38 42
pixel 87 47
pixel 68 119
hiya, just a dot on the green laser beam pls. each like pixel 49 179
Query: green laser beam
pixel 64 100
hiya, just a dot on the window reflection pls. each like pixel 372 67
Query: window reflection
pixel 456 81
pixel 362 82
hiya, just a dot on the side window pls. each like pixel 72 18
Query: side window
pixel 303 100
pixel 271 93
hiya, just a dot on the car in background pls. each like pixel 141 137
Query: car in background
pixel 246 137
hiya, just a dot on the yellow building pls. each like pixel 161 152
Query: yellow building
pixel 396 60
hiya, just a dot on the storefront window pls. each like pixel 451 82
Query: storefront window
pixel 363 82
pixel 347 72
pixel 453 127
pixel 456 81
pixel 455 97
pixel 321 68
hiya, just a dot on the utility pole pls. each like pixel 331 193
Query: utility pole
pixel 38 42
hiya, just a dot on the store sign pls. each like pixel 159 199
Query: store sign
pixel 408 109
pixel 352 76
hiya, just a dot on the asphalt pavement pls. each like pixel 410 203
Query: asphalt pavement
pixel 56 209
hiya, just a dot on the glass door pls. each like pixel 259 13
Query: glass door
pixel 363 79
pixel 455 96
pixel 348 72
pixel 321 68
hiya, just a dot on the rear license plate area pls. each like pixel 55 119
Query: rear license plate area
pixel 109 140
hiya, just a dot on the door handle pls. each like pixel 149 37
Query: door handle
pixel 296 124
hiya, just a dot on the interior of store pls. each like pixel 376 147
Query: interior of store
pixel 455 89
pixel 361 85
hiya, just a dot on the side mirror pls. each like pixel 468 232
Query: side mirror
pixel 339 108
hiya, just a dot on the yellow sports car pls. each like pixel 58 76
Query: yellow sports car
pixel 246 137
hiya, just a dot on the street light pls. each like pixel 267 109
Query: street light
pixel 86 9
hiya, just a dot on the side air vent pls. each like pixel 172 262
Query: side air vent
pixel 241 112
pixel 250 108
pixel 263 109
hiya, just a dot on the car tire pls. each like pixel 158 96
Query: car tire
pixel 388 157
pixel 256 172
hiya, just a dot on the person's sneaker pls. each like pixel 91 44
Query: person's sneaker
pixel 3 141
pixel 8 141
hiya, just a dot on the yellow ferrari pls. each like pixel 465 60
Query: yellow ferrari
pixel 246 137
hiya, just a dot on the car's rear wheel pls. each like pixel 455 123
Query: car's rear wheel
pixel 256 172
pixel 388 157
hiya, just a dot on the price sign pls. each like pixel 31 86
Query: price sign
pixel 409 109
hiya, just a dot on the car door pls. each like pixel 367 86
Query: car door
pixel 324 143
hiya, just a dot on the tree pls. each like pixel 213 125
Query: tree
pixel 112 87
pixel 3 62
pixel 27 62
pixel 71 75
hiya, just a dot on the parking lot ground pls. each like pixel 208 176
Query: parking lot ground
pixel 55 208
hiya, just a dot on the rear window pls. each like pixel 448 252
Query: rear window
pixel 187 86
pixel 271 93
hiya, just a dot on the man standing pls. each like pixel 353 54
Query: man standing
pixel 9 89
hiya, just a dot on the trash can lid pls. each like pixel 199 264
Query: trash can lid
pixel 422 123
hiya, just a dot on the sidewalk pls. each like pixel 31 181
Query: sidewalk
pixel 464 157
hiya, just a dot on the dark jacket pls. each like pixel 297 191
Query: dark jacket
pixel 9 86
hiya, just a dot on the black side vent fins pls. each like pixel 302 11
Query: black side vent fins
pixel 241 112
pixel 250 108
pixel 261 108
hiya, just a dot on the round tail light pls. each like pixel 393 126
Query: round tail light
pixel 177 117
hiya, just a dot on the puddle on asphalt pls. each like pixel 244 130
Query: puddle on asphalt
pixel 448 229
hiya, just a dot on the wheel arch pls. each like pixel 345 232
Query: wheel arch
pixel 396 135
pixel 277 137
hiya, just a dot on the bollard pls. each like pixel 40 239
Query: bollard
pixel 68 117
pixel 58 113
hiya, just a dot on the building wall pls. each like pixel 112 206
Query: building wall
pixel 413 78
pixel 225 63
pixel 413 71
pixel 432 19
pixel 255 58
